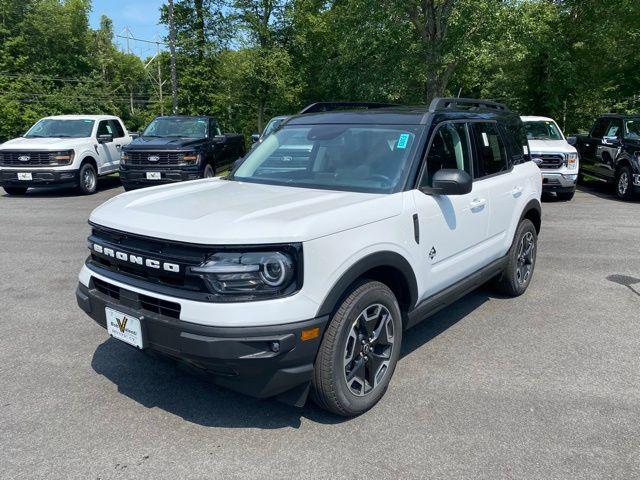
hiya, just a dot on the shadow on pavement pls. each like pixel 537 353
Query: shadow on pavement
pixel 602 190
pixel 104 183
pixel 157 382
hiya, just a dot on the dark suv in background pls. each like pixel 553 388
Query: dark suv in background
pixel 178 148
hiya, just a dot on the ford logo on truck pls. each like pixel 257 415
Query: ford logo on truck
pixel 153 158
pixel 134 259
pixel 24 158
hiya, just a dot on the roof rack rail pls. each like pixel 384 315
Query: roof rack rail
pixel 329 106
pixel 445 103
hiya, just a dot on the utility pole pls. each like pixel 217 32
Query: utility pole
pixel 128 34
pixel 160 82
pixel 172 49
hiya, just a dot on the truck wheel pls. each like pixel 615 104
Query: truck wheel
pixel 359 351
pixel 15 190
pixel 88 179
pixel 566 196
pixel 521 261
pixel 624 186
pixel 209 171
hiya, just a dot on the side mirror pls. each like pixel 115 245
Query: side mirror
pixel 219 138
pixel 612 141
pixel 572 141
pixel 106 138
pixel 255 138
pixel 450 182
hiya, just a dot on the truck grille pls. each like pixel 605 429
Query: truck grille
pixel 550 161
pixel 141 159
pixel 35 159
pixel 138 301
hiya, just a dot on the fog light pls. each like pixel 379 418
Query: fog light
pixel 275 347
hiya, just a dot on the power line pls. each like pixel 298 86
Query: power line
pixel 131 37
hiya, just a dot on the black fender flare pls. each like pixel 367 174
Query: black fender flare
pixel 533 206
pixel 358 269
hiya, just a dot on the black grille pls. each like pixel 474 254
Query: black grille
pixel 139 302
pixel 36 159
pixel 550 161
pixel 141 159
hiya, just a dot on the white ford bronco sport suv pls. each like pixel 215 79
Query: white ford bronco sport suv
pixel 300 271
pixel 557 159
pixel 66 150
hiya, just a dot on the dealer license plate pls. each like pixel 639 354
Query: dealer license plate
pixel 154 176
pixel 25 176
pixel 124 327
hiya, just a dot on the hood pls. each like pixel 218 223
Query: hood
pixel 164 143
pixel 42 143
pixel 550 146
pixel 222 212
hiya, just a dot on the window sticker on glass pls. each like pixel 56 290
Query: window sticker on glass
pixel 485 139
pixel 525 149
pixel 403 141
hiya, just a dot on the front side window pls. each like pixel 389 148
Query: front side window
pixel 600 128
pixel 543 130
pixel 180 127
pixel 491 157
pixel 449 150
pixel 632 129
pixel 105 128
pixel 61 128
pixel 364 158
pixel 615 129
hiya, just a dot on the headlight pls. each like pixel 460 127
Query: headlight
pixel 250 275
pixel 124 158
pixel 61 158
pixel 191 158
pixel 572 160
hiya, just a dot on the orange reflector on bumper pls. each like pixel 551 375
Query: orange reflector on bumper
pixel 309 334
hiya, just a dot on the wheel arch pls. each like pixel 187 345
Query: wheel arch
pixel 387 267
pixel 533 211
pixel 91 160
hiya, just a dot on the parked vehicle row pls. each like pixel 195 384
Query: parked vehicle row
pixel 299 272
pixel 74 151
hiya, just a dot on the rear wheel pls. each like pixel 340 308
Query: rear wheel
pixel 624 185
pixel 15 190
pixel 88 179
pixel 521 261
pixel 359 351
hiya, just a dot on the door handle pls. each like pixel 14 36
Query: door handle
pixel 516 191
pixel 477 203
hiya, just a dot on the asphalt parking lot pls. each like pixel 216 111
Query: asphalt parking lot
pixel 545 386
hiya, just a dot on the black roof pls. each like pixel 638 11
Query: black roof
pixel 619 115
pixel 381 114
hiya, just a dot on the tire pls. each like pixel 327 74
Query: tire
pixel 209 171
pixel 13 191
pixel 517 274
pixel 127 188
pixel 344 340
pixel 624 185
pixel 566 196
pixel 88 179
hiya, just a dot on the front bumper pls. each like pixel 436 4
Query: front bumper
pixel 132 177
pixel 244 359
pixel 40 178
pixel 559 182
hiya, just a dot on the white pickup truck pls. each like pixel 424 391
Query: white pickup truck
pixel 557 159
pixel 66 150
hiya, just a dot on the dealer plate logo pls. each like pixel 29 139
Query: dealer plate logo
pixel 122 324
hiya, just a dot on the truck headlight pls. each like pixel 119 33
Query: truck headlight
pixel 249 275
pixel 572 160
pixel 191 158
pixel 61 158
pixel 124 158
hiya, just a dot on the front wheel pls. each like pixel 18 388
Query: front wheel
pixel 209 171
pixel 624 185
pixel 88 179
pixel 15 190
pixel 521 261
pixel 359 351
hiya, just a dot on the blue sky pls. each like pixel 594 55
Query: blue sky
pixel 141 16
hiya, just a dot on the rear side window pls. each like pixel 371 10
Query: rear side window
pixel 449 149
pixel 117 128
pixel 517 142
pixel 600 128
pixel 491 155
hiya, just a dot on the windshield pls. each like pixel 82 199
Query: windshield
pixel 543 130
pixel 58 128
pixel 632 128
pixel 271 126
pixel 177 127
pixel 362 158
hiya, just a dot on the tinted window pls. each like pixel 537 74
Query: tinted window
pixel 105 128
pixel 515 137
pixel 600 128
pixel 615 129
pixel 491 156
pixel 187 127
pixel 117 128
pixel 632 128
pixel 449 149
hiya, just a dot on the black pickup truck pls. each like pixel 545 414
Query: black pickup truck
pixel 178 148
pixel 611 152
